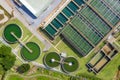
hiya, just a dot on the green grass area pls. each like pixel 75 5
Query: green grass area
pixel 65 47
pixel 49 57
pixel 31 38
pixel 27 36
pixel 12 28
pixel 18 77
pixel 40 59
pixel 56 41
pixel 117 45
pixel 25 31
pixel 107 73
pixel 40 74
pixel 41 45
pixel 36 40
pixel 18 62
pixel 70 64
pixel 117 34
pixel 38 77
pixel 30 56
pixel 110 70
pixel 118 40
pixel 101 45
pixel 15 77
pixel 43 78
pixel 53 74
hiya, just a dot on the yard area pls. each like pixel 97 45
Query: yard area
pixel 17 77
pixel 27 36
pixel 110 70
pixel 40 74
pixel 84 31
pixel 107 73
pixel 62 46
pixel 25 32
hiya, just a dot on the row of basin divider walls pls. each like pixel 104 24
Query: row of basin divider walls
pixel 108 13
pixel 99 60
pixel 70 10
pixel 57 23
pixel 84 28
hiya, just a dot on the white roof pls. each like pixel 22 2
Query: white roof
pixel 36 6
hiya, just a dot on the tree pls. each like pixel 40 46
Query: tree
pixel 7 59
pixel 119 67
pixel 1 70
pixel 118 73
pixel 23 68
pixel 8 62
